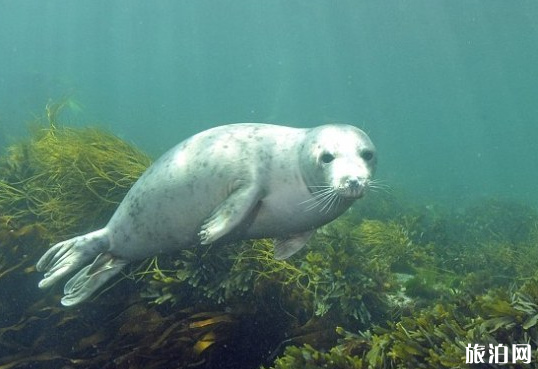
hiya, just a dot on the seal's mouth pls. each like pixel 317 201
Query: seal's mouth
pixel 353 188
pixel 325 198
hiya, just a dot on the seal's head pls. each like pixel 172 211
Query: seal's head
pixel 343 162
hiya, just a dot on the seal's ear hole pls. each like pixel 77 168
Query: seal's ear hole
pixel 327 158
pixel 367 155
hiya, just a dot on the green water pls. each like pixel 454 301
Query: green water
pixel 446 89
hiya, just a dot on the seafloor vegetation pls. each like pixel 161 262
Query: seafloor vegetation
pixel 392 284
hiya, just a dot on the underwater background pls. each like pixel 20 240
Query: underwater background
pixel 446 89
pixel 445 256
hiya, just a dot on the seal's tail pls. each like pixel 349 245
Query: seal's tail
pixel 71 255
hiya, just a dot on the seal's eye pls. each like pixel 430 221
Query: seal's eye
pixel 367 155
pixel 327 158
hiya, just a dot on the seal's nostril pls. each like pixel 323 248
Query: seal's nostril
pixel 353 182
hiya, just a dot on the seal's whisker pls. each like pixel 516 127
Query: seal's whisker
pixel 324 197
pixel 325 206
pixel 378 182
pixel 329 201
pixel 321 192
pixel 325 202
pixel 321 198
pixel 318 194
pixel 314 199
pixel 335 202
pixel 378 185
pixel 322 189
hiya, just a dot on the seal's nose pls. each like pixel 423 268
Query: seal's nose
pixel 353 183
pixel 354 187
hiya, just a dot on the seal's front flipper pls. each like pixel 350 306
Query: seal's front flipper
pixel 229 214
pixel 286 247
pixel 91 277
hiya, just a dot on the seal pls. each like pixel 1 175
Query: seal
pixel 229 183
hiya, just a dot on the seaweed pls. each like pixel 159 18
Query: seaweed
pixel 56 182
pixel 434 337
pixel 495 220
pixel 333 273
pixel 480 293
pixel 66 179
pixel 307 357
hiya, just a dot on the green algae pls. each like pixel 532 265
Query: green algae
pixel 462 293
pixel 67 178
pixel 434 337
pixel 309 358
pixel 334 273
pixel 54 183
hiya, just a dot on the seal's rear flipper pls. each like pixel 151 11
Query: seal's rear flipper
pixel 68 256
pixel 91 277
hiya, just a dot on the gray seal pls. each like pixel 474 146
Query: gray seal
pixel 229 183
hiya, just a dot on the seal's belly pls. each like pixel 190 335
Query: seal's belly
pixel 284 213
pixel 163 221
pixel 159 217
